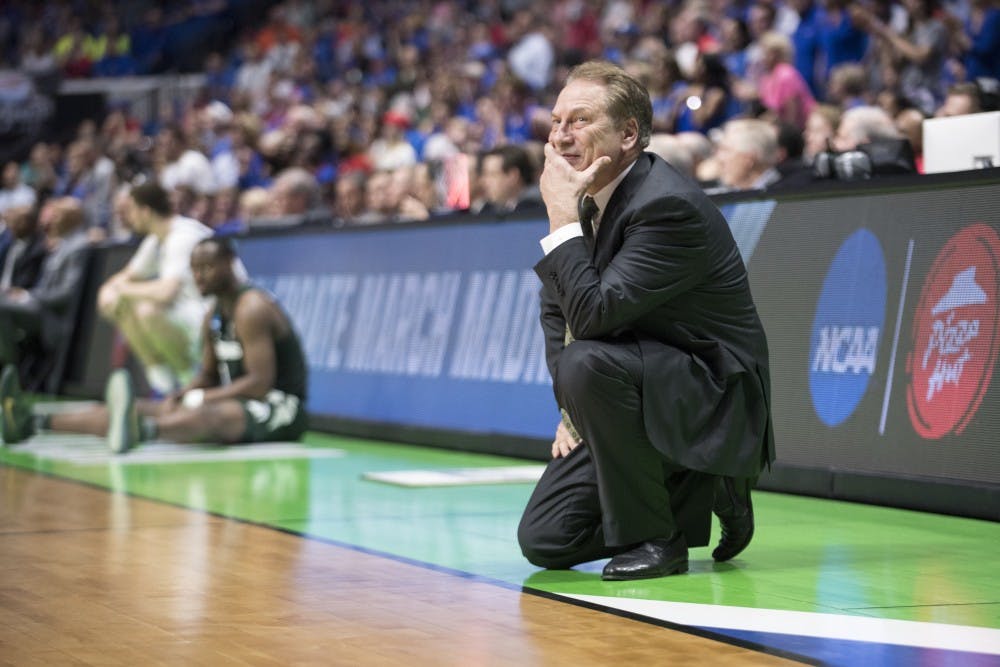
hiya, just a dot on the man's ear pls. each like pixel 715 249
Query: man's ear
pixel 630 134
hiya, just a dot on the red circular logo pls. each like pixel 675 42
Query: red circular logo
pixel 955 340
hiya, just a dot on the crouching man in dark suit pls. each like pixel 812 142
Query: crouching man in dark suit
pixel 658 358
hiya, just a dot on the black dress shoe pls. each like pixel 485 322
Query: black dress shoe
pixel 735 512
pixel 15 413
pixel 656 558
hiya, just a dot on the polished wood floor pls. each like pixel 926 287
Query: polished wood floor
pixel 89 577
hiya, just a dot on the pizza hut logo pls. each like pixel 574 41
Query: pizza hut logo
pixel 955 340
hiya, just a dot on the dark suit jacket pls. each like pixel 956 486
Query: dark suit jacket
pixel 665 271
pixel 28 265
pixel 529 200
pixel 60 287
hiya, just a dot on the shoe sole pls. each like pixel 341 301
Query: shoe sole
pixel 674 568
pixel 121 406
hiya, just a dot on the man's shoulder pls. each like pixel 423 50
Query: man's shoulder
pixel 529 198
pixel 72 247
pixel 188 228
pixel 252 293
pixel 661 179
pixel 256 305
pixel 77 241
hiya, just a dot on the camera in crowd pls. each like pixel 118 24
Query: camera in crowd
pixel 876 158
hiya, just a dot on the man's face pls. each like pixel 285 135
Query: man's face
pixel 134 215
pixel 760 20
pixel 48 219
pixel 498 185
pixel 11 175
pixel 286 201
pixel 76 160
pixel 122 210
pixel 910 124
pixel 818 132
pixel 350 197
pixel 582 130
pixel 955 105
pixel 375 192
pixel 211 272
pixel 735 165
pixel 20 221
pixel 168 146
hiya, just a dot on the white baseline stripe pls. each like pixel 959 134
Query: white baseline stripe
pixel 88 450
pixel 810 624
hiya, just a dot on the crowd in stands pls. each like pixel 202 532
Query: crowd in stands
pixel 398 110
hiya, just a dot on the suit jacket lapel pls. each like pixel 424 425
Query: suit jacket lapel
pixel 612 216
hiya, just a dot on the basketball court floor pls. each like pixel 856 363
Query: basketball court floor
pixel 344 551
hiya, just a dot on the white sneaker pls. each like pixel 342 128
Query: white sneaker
pixel 123 421
pixel 162 379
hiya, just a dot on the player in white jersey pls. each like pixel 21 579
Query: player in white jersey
pixel 153 301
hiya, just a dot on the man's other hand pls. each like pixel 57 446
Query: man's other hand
pixel 564 442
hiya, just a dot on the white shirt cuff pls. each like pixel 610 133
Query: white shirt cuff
pixel 560 236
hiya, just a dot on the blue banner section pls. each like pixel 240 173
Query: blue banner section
pixel 432 326
pixel 422 326
pixel 747 221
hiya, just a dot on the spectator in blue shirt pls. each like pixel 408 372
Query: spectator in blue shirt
pixel 980 41
pixel 841 41
pixel 806 40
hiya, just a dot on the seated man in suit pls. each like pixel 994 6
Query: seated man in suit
pixel 20 267
pixel 42 316
pixel 507 177
pixel 251 386
pixel 658 358
pixel 21 258
pixel 747 154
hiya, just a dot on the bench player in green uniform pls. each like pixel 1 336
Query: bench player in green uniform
pixel 251 386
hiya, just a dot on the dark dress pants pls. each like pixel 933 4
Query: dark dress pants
pixel 616 490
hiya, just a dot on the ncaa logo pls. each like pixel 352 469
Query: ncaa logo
pixel 955 340
pixel 847 328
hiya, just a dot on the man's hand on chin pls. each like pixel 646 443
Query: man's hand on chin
pixel 562 186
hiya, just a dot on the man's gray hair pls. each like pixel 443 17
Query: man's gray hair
pixel 626 97
pixel 755 137
pixel 868 123
pixel 299 182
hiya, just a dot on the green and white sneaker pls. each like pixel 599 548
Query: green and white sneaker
pixel 123 420
pixel 15 413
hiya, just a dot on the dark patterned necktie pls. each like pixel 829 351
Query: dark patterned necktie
pixel 588 211
pixel 587 208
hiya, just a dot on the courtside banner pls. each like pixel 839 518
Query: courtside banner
pixel 427 325
pixel 431 326
pixel 882 311
pixel 883 319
